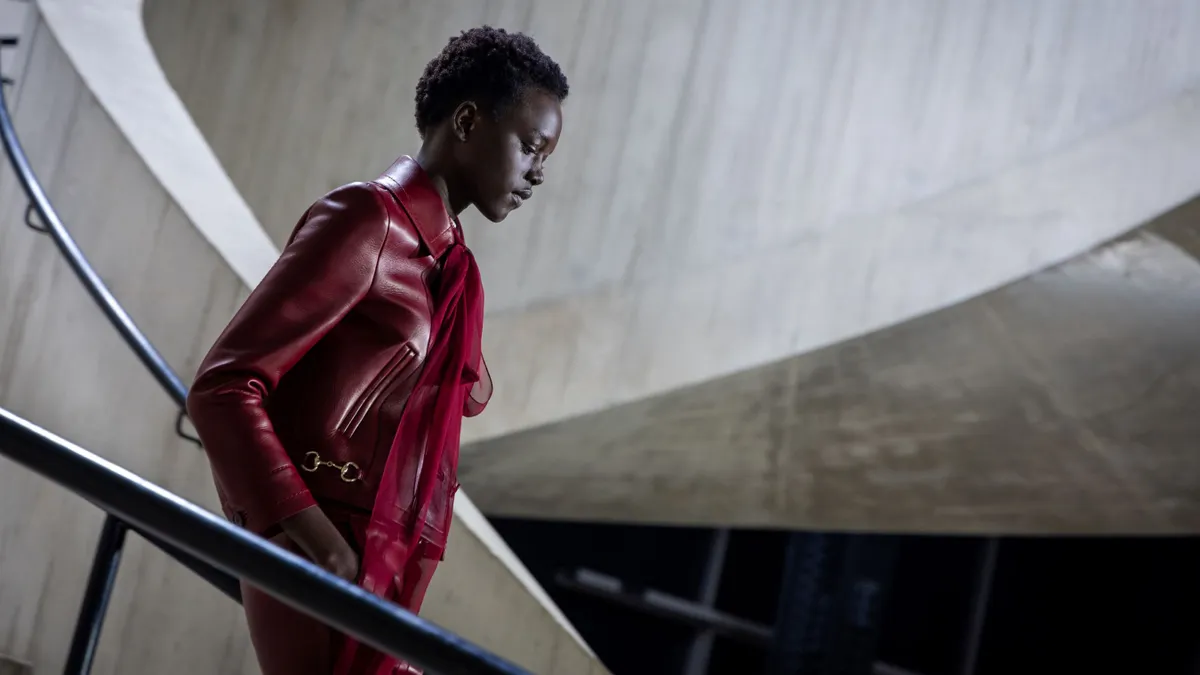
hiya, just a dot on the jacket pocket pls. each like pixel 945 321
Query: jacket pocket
pixel 357 411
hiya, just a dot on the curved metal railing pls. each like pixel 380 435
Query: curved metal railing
pixel 53 226
pixel 235 551
pixel 112 536
pixel 210 547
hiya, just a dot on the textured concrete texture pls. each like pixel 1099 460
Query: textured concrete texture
pixel 747 196
pixel 1062 403
pixel 63 367
pixel 12 667
pixel 737 183
pixel 758 288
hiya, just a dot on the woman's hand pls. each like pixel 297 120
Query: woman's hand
pixel 321 541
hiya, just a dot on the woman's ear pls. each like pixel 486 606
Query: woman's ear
pixel 465 119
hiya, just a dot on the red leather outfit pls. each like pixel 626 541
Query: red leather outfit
pixel 298 401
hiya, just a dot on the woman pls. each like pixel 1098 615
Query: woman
pixel 331 405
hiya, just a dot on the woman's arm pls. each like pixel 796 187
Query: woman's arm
pixel 327 268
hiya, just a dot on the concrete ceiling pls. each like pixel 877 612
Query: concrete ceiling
pixel 797 264
pixel 1062 403
pixel 738 183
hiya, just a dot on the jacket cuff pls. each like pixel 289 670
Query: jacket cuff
pixel 285 508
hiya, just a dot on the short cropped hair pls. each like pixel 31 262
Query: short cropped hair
pixel 488 65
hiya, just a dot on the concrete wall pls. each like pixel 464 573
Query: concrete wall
pixel 1060 404
pixel 696 131
pixel 740 184
pixel 737 182
pixel 63 367
pixel 13 15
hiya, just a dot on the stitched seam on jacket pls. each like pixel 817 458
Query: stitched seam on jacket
pixel 344 426
pixel 291 497
pixel 387 232
pixel 392 371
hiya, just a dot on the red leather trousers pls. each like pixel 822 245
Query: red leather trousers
pixel 289 642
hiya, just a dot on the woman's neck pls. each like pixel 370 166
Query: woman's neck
pixel 431 158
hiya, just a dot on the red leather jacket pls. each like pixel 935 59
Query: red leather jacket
pixel 299 399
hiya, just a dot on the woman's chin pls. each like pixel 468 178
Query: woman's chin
pixel 497 213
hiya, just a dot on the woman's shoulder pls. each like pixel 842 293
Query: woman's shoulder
pixel 361 211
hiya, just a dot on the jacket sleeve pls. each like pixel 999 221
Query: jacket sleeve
pixel 326 268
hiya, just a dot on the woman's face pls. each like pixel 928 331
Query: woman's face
pixel 504 157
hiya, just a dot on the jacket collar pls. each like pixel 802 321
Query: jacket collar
pixel 423 203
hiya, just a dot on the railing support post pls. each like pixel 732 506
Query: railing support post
pixel 96 597
pixel 830 610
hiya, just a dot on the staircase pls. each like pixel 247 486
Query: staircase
pixel 204 543
pixel 12 22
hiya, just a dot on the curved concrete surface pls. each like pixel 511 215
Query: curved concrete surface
pixel 1060 404
pixel 566 358
pixel 106 42
pixel 659 330
pixel 97 52
pixel 738 183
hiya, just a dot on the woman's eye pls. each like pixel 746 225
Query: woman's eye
pixel 527 149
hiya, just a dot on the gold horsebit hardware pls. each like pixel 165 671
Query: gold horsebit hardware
pixel 350 472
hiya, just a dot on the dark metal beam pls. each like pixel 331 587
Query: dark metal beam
pixel 96 597
pixel 700 650
pixel 671 607
pixel 665 605
pixel 979 605
pixel 888 669
pixel 830 607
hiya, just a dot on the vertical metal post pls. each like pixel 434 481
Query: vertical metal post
pixel 710 585
pixel 804 612
pixel 866 576
pixel 830 608
pixel 96 597
pixel 979 605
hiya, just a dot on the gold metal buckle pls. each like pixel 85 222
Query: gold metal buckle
pixel 349 472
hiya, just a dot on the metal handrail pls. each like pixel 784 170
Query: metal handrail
pixel 212 548
pixel 52 225
pixel 284 575
pixel 112 538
